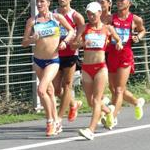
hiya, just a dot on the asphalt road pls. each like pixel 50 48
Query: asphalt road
pixel 129 134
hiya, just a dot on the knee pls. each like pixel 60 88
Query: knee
pixel 50 90
pixel 96 101
pixel 41 92
pixel 119 90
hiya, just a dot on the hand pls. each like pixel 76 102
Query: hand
pixel 87 43
pixel 135 38
pixel 30 40
pixel 119 45
pixel 62 45
pixel 35 37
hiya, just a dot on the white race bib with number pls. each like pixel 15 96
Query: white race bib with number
pixel 96 40
pixel 123 34
pixel 45 29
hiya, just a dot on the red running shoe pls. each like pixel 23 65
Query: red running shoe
pixel 73 112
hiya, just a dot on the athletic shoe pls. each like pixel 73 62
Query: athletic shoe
pixel 58 127
pixel 50 129
pixel 110 117
pixel 103 121
pixel 101 118
pixel 73 112
pixel 138 111
pixel 106 100
pixel 87 133
pixel 109 127
pixel 114 124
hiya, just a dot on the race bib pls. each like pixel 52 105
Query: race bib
pixel 63 32
pixel 45 29
pixel 96 40
pixel 123 34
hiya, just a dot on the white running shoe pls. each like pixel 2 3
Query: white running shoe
pixel 106 100
pixel 58 127
pixel 87 133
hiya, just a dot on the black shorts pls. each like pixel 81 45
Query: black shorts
pixel 68 61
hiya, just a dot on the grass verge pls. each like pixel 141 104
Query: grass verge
pixel 139 90
pixel 7 119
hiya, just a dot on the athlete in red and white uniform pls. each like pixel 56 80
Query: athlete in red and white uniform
pixel 69 16
pixel 123 58
pixel 64 80
pixel 93 37
pixel 98 41
pixel 121 63
pixel 106 18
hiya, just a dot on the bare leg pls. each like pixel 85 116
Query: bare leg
pixel 128 96
pixel 112 78
pixel 51 94
pixel 122 76
pixel 46 76
pixel 97 87
pixel 67 96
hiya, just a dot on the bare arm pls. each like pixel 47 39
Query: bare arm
pixel 79 20
pixel 116 37
pixel 138 26
pixel 77 41
pixel 28 39
pixel 70 30
pixel 109 21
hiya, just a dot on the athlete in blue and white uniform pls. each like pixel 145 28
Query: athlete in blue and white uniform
pixel 43 30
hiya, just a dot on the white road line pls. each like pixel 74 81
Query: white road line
pixel 25 147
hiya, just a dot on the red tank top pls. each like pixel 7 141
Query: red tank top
pixel 98 38
pixel 69 17
pixel 123 29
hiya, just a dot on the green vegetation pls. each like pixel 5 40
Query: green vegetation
pixel 138 89
pixel 6 119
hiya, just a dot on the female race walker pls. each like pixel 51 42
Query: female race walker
pixel 43 30
pixel 93 37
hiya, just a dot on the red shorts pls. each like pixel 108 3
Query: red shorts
pixel 120 59
pixel 92 69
